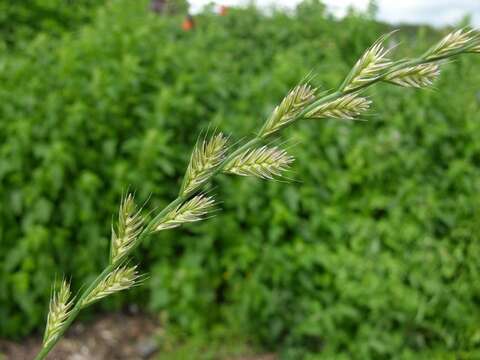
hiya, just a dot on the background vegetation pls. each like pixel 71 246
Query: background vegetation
pixel 372 252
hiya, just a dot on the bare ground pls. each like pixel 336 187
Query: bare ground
pixel 112 336
pixel 117 336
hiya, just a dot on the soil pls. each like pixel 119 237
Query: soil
pixel 112 336
pixel 119 336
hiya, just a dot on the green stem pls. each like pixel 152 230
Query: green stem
pixel 150 227
pixel 146 231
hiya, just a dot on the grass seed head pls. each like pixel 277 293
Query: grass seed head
pixel 264 162
pixel 121 278
pixel 130 225
pixel 289 108
pixel 460 40
pixel 346 107
pixel 192 210
pixel 59 310
pixel 371 65
pixel 206 156
pixel 416 76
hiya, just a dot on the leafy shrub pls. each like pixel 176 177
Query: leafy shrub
pixel 372 253
pixel 21 20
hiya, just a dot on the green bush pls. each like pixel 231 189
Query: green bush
pixel 22 20
pixel 371 252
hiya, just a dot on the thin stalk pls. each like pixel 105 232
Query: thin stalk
pixel 256 140
pixel 149 228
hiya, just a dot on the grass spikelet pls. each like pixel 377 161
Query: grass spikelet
pixel 121 278
pixel 206 156
pixel 347 107
pixel 289 108
pixel 419 76
pixel 372 63
pixel 455 41
pixel 192 210
pixel 264 162
pixel 59 310
pixel 130 225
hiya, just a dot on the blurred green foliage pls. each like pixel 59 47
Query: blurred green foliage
pixel 372 252
pixel 20 20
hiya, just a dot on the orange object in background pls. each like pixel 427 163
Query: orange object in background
pixel 188 23
pixel 223 10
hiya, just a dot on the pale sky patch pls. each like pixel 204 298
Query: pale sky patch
pixel 434 12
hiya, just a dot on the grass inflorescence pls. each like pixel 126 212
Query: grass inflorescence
pixel 252 157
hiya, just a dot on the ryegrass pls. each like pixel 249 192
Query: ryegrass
pixel 253 157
